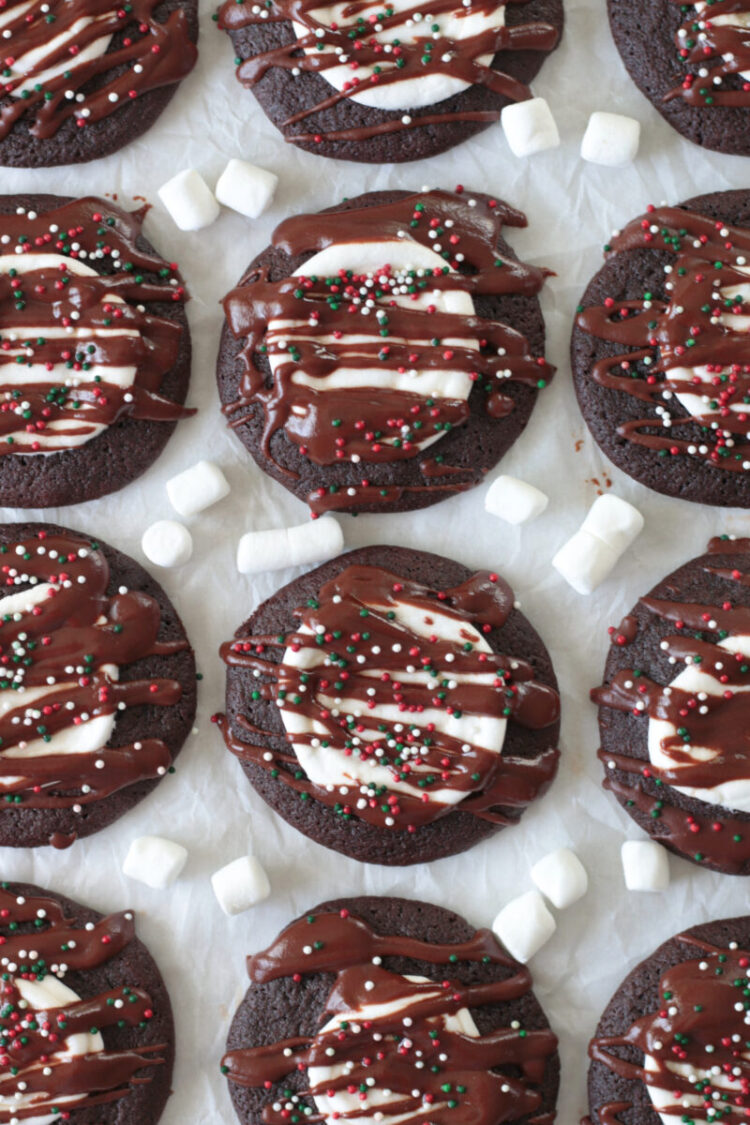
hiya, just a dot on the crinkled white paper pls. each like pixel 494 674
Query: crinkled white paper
pixel 207 805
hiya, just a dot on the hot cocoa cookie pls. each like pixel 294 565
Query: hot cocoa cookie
pixel 97 685
pixel 674 710
pixel 339 984
pixel 660 353
pixel 384 354
pixel 393 706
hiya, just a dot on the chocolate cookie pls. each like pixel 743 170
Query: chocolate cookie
pixel 89 405
pixel 80 81
pixel 386 353
pixel 692 62
pixel 674 711
pixel 478 1047
pixel 660 369
pixel 666 1048
pixel 96 648
pixel 382 84
pixel 102 1051
pixel 344 712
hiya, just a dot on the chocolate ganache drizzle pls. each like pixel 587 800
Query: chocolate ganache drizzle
pixel 63 640
pixel 395 55
pixel 57 62
pixel 393 703
pixel 52 1055
pixel 397 1047
pixel 715 37
pixel 369 351
pixel 690 350
pixel 698 736
pixel 695 1045
pixel 78 350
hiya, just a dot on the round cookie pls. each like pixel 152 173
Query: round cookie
pixel 121 1053
pixel 379 818
pixel 360 425
pixel 681 1003
pixel 678 659
pixel 110 89
pixel 125 432
pixel 425 111
pixel 142 636
pixel 651 39
pixel 663 390
pixel 415 940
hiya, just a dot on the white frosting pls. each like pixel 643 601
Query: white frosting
pixel 732 794
pixel 735 19
pixel 372 258
pixel 688 1104
pixel 41 64
pixel 24 704
pixel 328 766
pixel 59 432
pixel 368 1111
pixel 412 93
pixel 41 995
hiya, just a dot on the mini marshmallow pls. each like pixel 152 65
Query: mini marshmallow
pixel 197 488
pixel 167 543
pixel 189 200
pixel 240 885
pixel 529 127
pixel 514 500
pixel 155 861
pixel 246 188
pixel 561 877
pixel 611 139
pixel 614 521
pixel 585 561
pixel 645 865
pixel 524 925
pixel 289 546
pixel 609 529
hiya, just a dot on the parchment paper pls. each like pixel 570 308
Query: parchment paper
pixel 207 805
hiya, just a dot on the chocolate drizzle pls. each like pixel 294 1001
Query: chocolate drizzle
pixel 713 39
pixel 693 344
pixel 467 1079
pixel 692 1048
pixel 41 1071
pixel 55 80
pixel 311 329
pixel 370 40
pixel 67 336
pixel 357 674
pixel 60 650
pixel 716 722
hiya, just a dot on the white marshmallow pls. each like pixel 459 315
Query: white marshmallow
pixel 611 139
pixel 167 543
pixel 645 865
pixel 529 127
pixel 614 521
pixel 561 877
pixel 154 861
pixel 189 200
pixel 524 925
pixel 246 188
pixel 514 500
pixel 197 488
pixel 240 885
pixel 584 561
pixel 289 546
pixel 608 530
